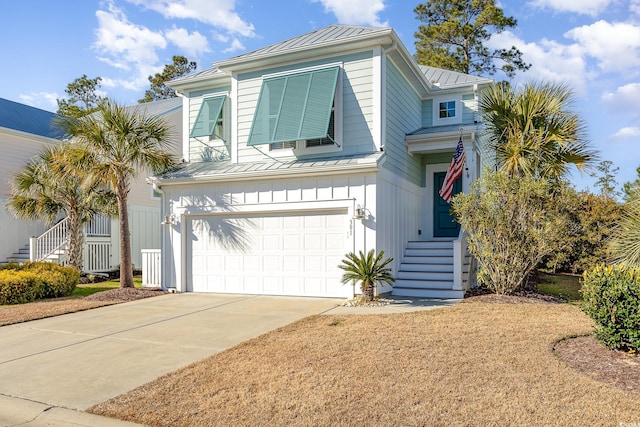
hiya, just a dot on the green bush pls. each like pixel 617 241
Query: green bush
pixel 53 281
pixel 18 287
pixel 612 299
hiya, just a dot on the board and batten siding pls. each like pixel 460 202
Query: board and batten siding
pixel 144 227
pixel 311 194
pixel 356 80
pixel 403 115
pixel 399 216
pixel 196 146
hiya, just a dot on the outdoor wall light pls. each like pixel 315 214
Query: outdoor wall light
pixel 169 220
pixel 360 213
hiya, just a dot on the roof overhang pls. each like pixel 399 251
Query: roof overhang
pixel 440 142
pixel 310 169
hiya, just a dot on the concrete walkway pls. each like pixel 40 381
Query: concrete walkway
pixel 52 369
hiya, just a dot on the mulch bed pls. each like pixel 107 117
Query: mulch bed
pixel 617 368
pixel 125 294
pixel 585 354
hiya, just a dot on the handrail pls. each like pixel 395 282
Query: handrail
pixel 51 241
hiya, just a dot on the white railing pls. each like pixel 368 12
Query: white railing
pixel 99 226
pixel 151 267
pixel 96 256
pixel 50 244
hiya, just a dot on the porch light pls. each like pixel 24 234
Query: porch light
pixel 359 214
pixel 168 220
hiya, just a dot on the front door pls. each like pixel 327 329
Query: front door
pixel 444 225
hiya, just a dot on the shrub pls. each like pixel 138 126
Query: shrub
pixel 18 287
pixel 367 269
pixel 612 299
pixel 512 224
pixel 51 281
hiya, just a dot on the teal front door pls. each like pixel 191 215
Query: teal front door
pixel 443 223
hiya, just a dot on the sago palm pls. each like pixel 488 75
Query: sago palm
pixel 368 269
pixel 120 143
pixel 533 131
pixel 48 187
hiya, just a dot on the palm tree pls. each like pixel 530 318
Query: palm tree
pixel 368 270
pixel 533 130
pixel 120 143
pixel 625 242
pixel 48 187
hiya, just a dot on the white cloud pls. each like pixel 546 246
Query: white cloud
pixel 586 7
pixel 44 100
pixel 626 133
pixel 123 44
pixel 192 44
pixel 355 12
pixel 550 60
pixel 236 45
pixel 624 98
pixel 615 46
pixel 219 13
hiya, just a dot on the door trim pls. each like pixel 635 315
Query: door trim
pixel 427 218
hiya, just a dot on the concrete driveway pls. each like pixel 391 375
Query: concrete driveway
pixel 80 359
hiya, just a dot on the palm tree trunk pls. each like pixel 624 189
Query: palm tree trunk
pixel 75 240
pixel 126 267
pixel 367 291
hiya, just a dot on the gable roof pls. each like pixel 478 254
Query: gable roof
pixel 322 36
pixel 25 118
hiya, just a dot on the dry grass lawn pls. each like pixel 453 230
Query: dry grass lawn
pixel 471 364
pixel 10 314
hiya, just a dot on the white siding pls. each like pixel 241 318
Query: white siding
pixel 280 195
pixel 17 149
pixel 144 226
pixel 399 215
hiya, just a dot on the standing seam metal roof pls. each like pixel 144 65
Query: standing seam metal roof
pixel 25 118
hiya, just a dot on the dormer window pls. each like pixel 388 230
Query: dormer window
pixel 296 111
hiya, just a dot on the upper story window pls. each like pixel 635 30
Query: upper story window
pixel 210 121
pixel 297 111
pixel 447 110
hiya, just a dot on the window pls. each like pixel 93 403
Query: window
pixel 209 121
pixel 288 145
pixel 295 107
pixel 447 109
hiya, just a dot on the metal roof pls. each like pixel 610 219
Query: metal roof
pixel 323 35
pixel 25 118
pixel 445 78
pixel 194 171
pixel 159 108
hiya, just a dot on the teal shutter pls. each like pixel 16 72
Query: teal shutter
pixel 208 116
pixel 293 107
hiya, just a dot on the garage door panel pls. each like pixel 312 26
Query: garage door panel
pixel 280 254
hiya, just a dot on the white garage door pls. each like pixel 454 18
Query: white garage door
pixel 273 254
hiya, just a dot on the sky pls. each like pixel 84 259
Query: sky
pixel 591 45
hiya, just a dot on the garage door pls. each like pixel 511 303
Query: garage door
pixel 274 254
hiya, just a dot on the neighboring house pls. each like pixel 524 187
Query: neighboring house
pixel 299 152
pixel 24 132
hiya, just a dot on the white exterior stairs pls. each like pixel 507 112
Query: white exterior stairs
pixel 426 271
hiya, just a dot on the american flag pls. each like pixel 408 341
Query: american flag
pixel 454 172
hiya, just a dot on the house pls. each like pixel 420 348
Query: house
pixel 24 132
pixel 302 151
